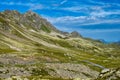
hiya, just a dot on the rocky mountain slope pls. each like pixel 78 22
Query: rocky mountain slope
pixel 32 48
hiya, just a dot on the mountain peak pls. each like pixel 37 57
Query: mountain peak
pixel 75 34
pixel 31 13
pixel 11 12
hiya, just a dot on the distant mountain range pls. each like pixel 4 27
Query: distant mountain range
pixel 32 48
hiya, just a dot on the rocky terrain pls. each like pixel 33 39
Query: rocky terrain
pixel 31 48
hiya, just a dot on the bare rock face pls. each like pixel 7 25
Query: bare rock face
pixel 75 34
pixel 29 20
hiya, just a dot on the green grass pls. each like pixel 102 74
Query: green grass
pixel 7 50
pixel 37 72
pixel 44 28
pixel 2 20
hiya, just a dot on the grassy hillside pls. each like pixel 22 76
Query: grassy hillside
pixel 32 50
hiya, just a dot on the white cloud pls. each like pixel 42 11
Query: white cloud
pixel 64 1
pixel 66 19
pixel 32 6
pixel 102 22
pixel 36 7
pixel 19 3
pixel 104 13
pixel 60 3
pixel 104 3
pixel 98 30
pixel 75 9
pixel 80 20
pixel 84 9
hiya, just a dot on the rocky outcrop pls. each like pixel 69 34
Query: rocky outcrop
pixel 75 34
pixel 71 71
pixel 109 74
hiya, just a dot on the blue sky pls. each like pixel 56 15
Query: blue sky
pixel 98 19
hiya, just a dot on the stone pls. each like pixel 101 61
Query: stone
pixel 104 71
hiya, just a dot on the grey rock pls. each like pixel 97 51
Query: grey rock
pixel 75 34
pixel 71 71
pixel 110 74
pixel 105 71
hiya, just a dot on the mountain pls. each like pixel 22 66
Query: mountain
pixel 117 43
pixel 32 48
pixel 75 34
